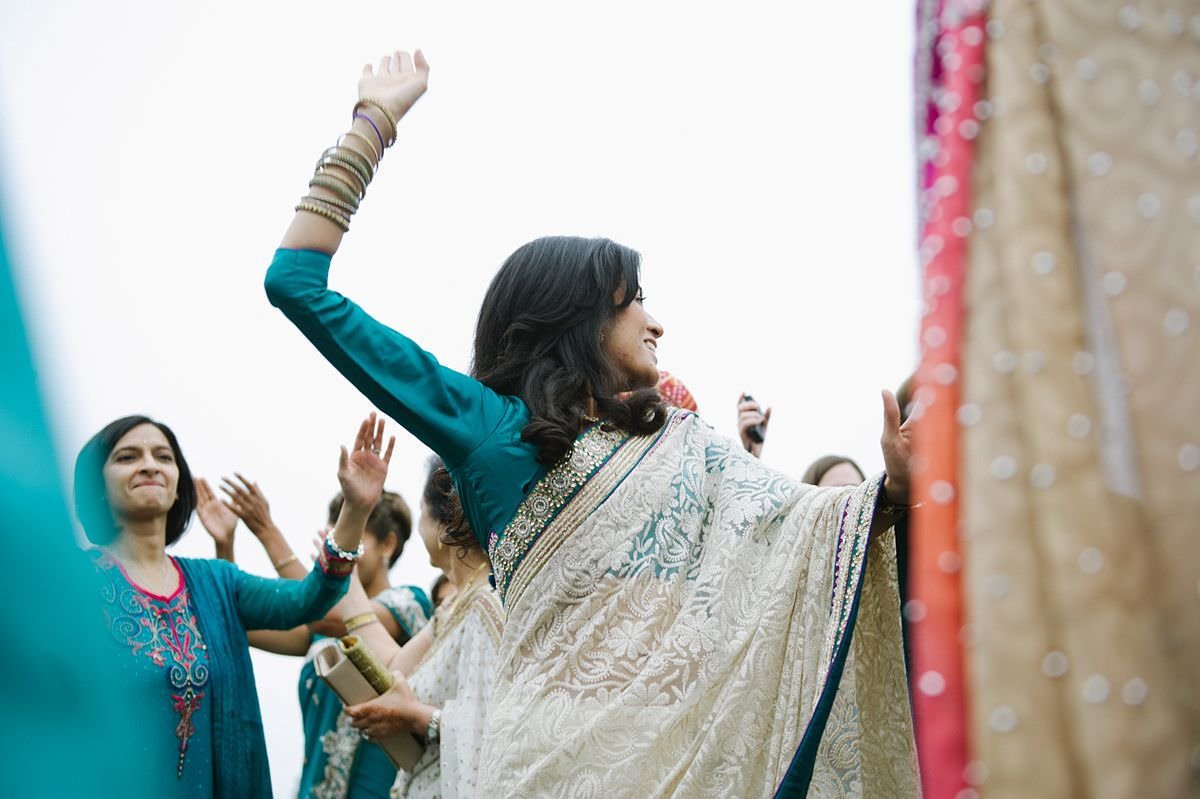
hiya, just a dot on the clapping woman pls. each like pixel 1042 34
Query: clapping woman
pixel 179 625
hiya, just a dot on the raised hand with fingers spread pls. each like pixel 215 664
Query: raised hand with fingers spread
pixel 362 470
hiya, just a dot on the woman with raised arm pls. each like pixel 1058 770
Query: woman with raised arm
pixel 179 624
pixel 679 615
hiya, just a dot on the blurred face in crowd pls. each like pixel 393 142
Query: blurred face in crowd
pixel 843 474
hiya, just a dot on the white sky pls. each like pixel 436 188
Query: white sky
pixel 758 155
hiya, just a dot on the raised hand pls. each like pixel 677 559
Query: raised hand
pixel 398 81
pixel 751 415
pixel 246 499
pixel 362 471
pixel 218 518
pixel 896 443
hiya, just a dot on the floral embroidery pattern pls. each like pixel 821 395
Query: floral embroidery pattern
pixel 165 632
pixel 341 746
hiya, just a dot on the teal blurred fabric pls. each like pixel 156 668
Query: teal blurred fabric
pixel 64 731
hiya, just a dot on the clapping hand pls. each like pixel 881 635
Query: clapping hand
pixel 217 517
pixel 362 470
pixel 247 500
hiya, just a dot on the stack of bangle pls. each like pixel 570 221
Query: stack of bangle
pixel 344 172
pixel 337 561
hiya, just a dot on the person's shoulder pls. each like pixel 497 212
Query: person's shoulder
pixel 399 596
pixel 485 605
pixel 216 568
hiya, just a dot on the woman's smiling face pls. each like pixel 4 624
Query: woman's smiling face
pixel 141 476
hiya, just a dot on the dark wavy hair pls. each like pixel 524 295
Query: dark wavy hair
pixel 538 338
pixel 816 470
pixel 91 493
pixel 441 500
pixel 390 515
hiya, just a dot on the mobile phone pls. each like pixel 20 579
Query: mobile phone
pixel 756 433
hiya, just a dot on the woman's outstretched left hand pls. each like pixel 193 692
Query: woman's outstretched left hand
pixel 896 443
pixel 362 470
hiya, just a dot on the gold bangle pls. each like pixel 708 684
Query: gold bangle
pixel 336 184
pixel 336 218
pixel 361 620
pixel 329 158
pixel 357 157
pixel 344 207
pixel 370 144
pixel 355 160
pixel 328 161
pixel 290 559
pixel 383 110
pixel 333 209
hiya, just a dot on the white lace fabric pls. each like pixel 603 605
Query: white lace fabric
pixel 676 641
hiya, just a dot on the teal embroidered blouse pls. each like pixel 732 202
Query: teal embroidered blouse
pixel 476 431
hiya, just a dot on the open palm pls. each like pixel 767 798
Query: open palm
pixel 362 470
pixel 218 518
pixel 397 82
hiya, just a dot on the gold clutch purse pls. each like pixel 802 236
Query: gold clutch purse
pixel 356 676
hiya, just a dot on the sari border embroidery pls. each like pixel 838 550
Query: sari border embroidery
pixel 854 533
pixel 561 499
pixel 854 538
pixel 478 598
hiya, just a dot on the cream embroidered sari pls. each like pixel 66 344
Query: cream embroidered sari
pixel 456 675
pixel 675 610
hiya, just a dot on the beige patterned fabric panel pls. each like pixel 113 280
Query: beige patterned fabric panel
pixel 1081 470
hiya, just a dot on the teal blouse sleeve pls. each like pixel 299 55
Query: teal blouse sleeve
pixel 264 603
pixel 448 411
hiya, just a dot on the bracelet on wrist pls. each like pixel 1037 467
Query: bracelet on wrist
pixel 361 620
pixel 289 559
pixel 434 731
pixel 337 561
pixel 382 109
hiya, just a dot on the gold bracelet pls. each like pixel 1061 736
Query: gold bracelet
pixel 330 158
pixel 383 110
pixel 290 559
pixel 336 184
pixel 353 159
pixel 329 205
pixel 354 155
pixel 328 161
pixel 336 218
pixel 370 144
pixel 346 208
pixel 361 620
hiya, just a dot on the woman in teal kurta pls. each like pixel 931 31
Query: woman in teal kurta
pixel 178 625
